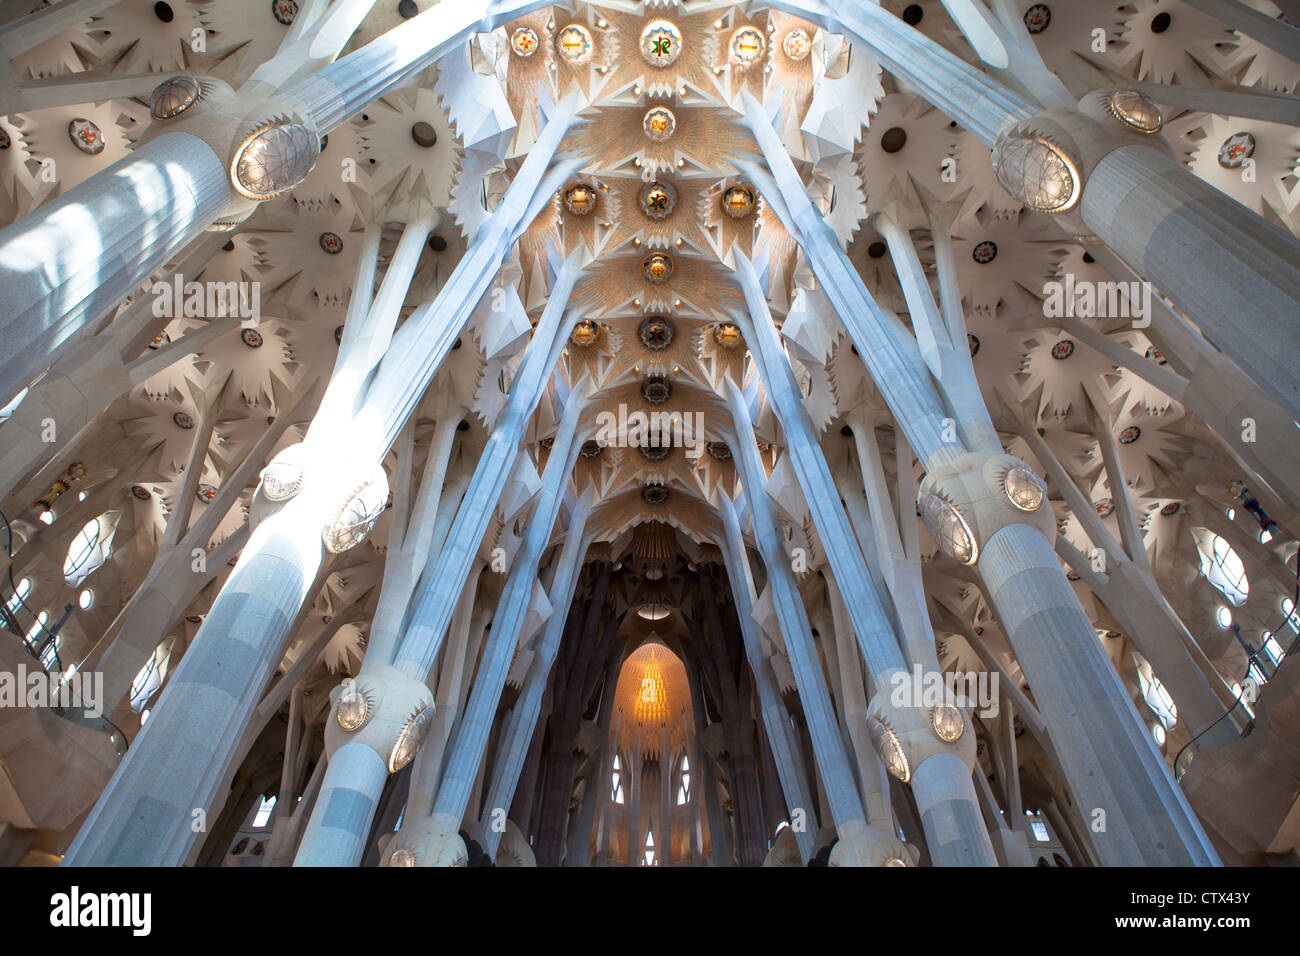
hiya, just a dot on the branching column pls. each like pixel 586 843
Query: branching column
pixel 968 506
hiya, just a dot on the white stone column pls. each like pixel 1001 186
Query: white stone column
pixel 68 262
pixel 528 707
pixel 331 480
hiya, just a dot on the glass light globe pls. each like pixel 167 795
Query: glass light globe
pixel 274 159
pixel 1136 110
pixel 410 740
pixel 895 861
pixel 354 709
pixel 173 97
pixel 1023 488
pixel 282 478
pixel 888 747
pixel 947 723
pixel 358 515
pixel 1037 172
pixel 401 857
pixel 948 528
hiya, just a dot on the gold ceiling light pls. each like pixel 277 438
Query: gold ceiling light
pixel 747 46
pixel 659 124
pixel 727 334
pixel 574 44
pixel 661 43
pixel 658 200
pixel 657 268
pixel 585 333
pixel 738 202
pixel 524 41
pixel 1136 110
pixel 797 44
pixel 580 199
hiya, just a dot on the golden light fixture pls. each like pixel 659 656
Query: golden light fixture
pixel 657 268
pixel 738 202
pixel 727 334
pixel 580 199
pixel 585 333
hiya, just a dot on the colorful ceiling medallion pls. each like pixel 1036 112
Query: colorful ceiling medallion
pixel 251 337
pixel 656 390
pixel 574 43
pixel 1062 350
pixel 747 46
pixel 524 41
pixel 172 97
pixel 738 202
pixel 591 449
pixel 1171 509
pixel 86 136
pixel 659 124
pixel 182 420
pixel 1038 17
pixel 206 492
pixel 338 335
pixel 1136 110
pixel 658 200
pixel 719 450
pixel 159 340
pixel 1154 355
pixel 331 243
pixel 585 333
pixel 797 44
pixel 1236 149
pixel 656 333
pixel 973 343
pixel 984 252
pixel 727 335
pixel 657 268
pixel 141 493
pixel 654 494
pixel 284 10
pixel 661 42
pixel 5 141
pixel 654 452
pixel 1105 507
pixel 1129 435
pixel 580 199
pixel 1072 575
